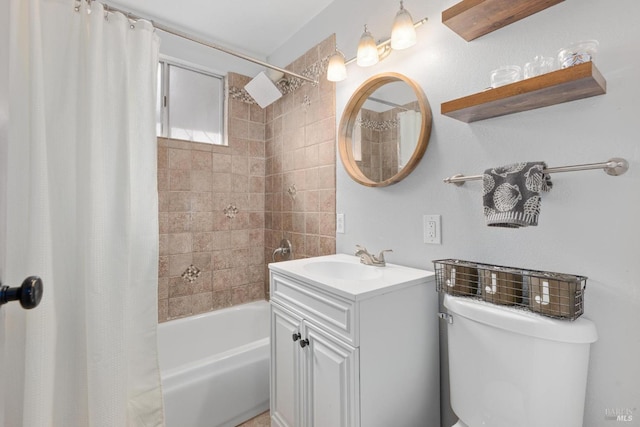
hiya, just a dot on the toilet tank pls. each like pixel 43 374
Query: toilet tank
pixel 513 368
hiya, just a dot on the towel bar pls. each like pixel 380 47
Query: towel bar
pixel 614 167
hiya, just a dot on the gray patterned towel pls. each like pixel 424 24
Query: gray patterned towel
pixel 511 194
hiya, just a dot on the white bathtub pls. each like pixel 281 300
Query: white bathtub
pixel 215 366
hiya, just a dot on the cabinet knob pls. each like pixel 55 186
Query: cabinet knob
pixel 296 336
pixel 304 343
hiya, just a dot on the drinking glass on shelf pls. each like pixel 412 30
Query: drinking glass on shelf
pixel 539 65
pixel 504 75
pixel 577 53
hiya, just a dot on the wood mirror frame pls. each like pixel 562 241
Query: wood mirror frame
pixel 348 121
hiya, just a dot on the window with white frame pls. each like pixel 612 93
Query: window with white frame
pixel 191 104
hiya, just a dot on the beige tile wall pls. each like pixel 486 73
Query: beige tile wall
pixel 370 163
pixel 290 142
pixel 196 183
pixel 301 152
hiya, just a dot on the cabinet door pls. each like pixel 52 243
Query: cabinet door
pixel 286 367
pixel 331 380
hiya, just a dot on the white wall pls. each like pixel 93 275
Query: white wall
pixel 589 221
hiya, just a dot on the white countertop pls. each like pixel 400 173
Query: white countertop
pixel 371 282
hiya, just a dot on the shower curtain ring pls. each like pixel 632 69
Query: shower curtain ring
pixel 131 24
pixel 77 6
pixel 106 12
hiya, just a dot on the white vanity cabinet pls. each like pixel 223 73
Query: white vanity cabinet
pixel 315 384
pixel 360 351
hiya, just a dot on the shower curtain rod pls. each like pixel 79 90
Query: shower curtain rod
pixel 203 42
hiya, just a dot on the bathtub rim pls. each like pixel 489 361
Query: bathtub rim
pixel 212 313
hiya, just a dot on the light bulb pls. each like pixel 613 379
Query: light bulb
pixel 336 70
pixel 367 50
pixel 403 34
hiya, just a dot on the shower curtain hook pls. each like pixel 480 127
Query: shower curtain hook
pixel 77 6
pixel 106 12
pixel 131 24
pixel 89 7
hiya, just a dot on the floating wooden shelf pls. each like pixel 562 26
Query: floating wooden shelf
pixel 567 84
pixel 474 18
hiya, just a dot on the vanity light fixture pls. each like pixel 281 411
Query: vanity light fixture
pixel 403 33
pixel 367 50
pixel 336 70
pixel 403 36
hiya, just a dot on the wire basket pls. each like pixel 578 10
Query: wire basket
pixel 555 295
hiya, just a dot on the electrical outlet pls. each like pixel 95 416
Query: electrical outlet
pixel 432 229
pixel 340 223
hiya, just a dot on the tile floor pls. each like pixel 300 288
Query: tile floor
pixel 261 420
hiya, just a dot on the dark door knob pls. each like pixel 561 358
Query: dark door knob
pixel 296 336
pixel 29 293
pixel 304 343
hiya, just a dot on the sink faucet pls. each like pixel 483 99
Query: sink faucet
pixel 368 259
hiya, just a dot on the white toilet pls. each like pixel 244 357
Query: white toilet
pixel 512 368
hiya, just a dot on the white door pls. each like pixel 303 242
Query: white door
pixel 332 380
pixel 286 355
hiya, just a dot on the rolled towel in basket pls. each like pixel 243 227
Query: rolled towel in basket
pixel 511 194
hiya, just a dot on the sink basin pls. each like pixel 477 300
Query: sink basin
pixel 343 270
pixel 344 275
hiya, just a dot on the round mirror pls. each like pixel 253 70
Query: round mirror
pixel 384 130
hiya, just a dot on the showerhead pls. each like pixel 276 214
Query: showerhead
pixel 263 90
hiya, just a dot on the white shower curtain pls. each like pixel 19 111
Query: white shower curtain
pixel 82 214
pixel 408 133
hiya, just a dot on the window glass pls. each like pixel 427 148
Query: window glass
pixel 195 106
pixel 159 102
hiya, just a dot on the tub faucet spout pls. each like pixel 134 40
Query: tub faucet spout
pixel 369 259
pixel 284 251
